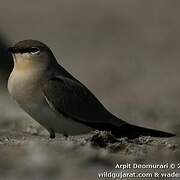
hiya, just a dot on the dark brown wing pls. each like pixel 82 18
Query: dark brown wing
pixel 73 99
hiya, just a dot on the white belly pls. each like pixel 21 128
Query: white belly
pixel 50 119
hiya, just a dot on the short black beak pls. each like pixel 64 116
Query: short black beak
pixel 12 50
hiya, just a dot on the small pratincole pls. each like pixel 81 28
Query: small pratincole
pixel 58 101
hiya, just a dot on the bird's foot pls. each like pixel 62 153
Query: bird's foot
pixel 51 134
pixel 65 135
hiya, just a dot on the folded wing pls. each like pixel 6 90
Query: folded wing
pixel 73 99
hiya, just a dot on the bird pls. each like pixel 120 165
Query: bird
pixel 57 100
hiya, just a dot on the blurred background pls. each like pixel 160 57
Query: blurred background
pixel 126 52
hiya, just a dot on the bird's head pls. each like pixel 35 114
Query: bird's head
pixel 29 53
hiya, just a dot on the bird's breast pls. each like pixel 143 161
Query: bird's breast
pixel 24 85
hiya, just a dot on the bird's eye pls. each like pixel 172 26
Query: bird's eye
pixel 34 50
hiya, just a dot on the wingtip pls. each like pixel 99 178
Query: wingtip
pixel 133 131
pixel 169 134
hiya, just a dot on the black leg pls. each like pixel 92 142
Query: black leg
pixel 52 134
pixel 65 135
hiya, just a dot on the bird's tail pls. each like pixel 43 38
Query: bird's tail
pixel 132 131
pixel 122 129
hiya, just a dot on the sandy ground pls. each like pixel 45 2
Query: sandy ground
pixel 32 156
pixel 28 153
pixel 126 52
